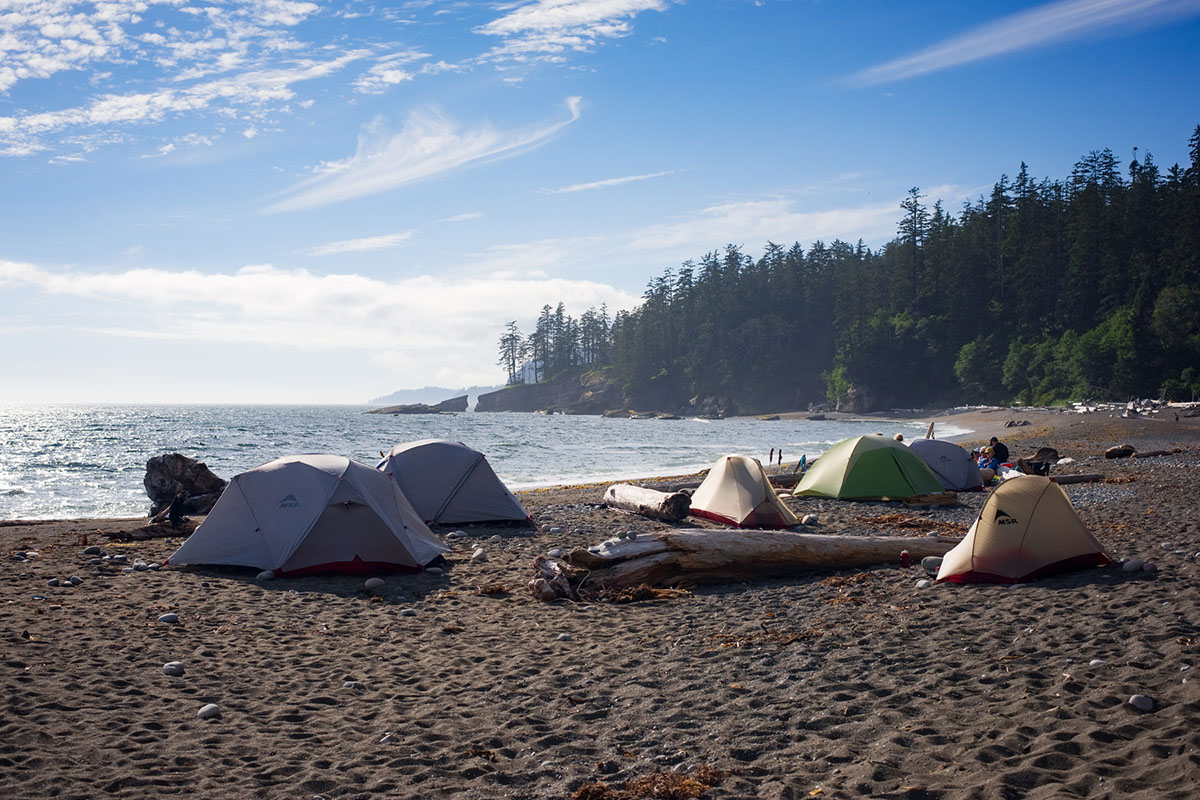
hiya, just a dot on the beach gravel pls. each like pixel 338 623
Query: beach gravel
pixel 823 683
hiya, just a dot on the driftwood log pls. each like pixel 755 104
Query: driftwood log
pixel 1086 477
pixel 667 506
pixel 667 558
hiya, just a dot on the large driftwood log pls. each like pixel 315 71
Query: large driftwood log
pixel 667 558
pixel 667 506
pixel 1084 477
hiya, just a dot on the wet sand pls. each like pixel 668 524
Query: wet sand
pixel 822 684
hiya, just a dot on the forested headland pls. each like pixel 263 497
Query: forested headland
pixel 1044 291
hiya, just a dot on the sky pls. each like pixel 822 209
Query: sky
pixel 274 201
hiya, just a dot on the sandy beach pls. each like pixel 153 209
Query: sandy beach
pixel 822 684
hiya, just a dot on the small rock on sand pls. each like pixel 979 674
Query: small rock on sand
pixel 555 553
pixel 434 570
pixel 75 580
pixel 173 669
pixel 808 519
pixel 169 619
pixel 924 583
pixel 478 555
pixel 1133 565
pixel 92 551
pixel 210 711
pixel 265 575
pixel 1149 566
pixel 564 637
pixel 407 612
pixel 53 582
pixel 371 584
pixel 357 686
pixel 387 738
pixel 1097 662
pixel 1141 702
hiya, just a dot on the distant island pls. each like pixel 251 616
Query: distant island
pixel 429 395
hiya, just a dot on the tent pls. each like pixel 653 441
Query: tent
pixel 737 492
pixel 868 467
pixel 952 465
pixel 449 483
pixel 312 513
pixel 1025 530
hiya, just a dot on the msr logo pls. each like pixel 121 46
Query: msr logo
pixel 1004 519
pixel 289 502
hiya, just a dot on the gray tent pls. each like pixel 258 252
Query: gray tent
pixel 449 483
pixel 952 465
pixel 312 513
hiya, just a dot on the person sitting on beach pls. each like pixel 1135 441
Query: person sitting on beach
pixel 988 460
pixel 899 437
pixel 1000 449
pixel 175 512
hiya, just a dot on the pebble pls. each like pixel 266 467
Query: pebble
pixel 357 686
pixel 434 570
pixel 924 584
pixel 808 519
pixel 555 553
pixel 173 668
pixel 407 612
pixel 75 580
pixel 565 637
pixel 94 550
pixel 120 559
pixel 632 535
pixel 169 619
pixel 371 584
pixel 265 575
pixel 1149 566
pixel 478 555
pixel 52 582
pixel 387 738
pixel 1133 565
pixel 931 563
pixel 496 539
pixel 545 526
pixel 210 711
pixel 1097 662
pixel 1141 702
pixel 96 561
pixel 556 530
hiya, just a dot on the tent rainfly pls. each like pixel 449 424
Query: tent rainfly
pixel 737 492
pixel 1026 530
pixel 868 468
pixel 449 483
pixel 309 514
pixel 952 465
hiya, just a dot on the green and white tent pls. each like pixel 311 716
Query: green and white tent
pixel 868 468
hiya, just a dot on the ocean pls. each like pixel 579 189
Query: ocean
pixel 88 461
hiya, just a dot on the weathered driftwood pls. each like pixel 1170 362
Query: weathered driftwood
pixel 1086 477
pixel 667 558
pixel 1149 453
pixel 667 506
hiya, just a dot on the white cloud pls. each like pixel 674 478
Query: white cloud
pixel 544 30
pixel 383 242
pixel 430 144
pixel 421 322
pixel 607 182
pixel 1049 24
pixel 461 217
pixel 387 72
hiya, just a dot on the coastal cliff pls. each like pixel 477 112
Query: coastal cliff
pixel 591 392
pixel 453 404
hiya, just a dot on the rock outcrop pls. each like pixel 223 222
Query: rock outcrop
pixel 171 473
pixel 454 404
pixel 582 393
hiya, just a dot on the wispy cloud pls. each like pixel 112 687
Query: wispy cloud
pixel 547 29
pixel 461 217
pixel 1049 24
pixel 430 144
pixel 368 243
pixel 607 182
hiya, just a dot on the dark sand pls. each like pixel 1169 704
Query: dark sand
pixel 852 684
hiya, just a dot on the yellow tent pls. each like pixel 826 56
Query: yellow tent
pixel 737 492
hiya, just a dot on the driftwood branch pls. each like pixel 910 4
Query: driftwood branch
pixel 1086 477
pixel 697 554
pixel 667 506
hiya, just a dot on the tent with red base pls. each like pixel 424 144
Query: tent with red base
pixel 1026 530
pixel 309 514
pixel 737 492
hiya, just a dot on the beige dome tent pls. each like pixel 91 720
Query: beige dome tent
pixel 1026 530
pixel 450 483
pixel 312 513
pixel 737 492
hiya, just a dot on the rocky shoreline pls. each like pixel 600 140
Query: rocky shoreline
pixel 458 684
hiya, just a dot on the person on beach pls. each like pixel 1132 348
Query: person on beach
pixel 1000 449
pixel 899 437
pixel 988 460
pixel 175 512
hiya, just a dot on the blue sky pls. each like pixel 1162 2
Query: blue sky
pixel 278 201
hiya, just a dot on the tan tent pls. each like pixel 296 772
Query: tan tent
pixel 1026 530
pixel 737 492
